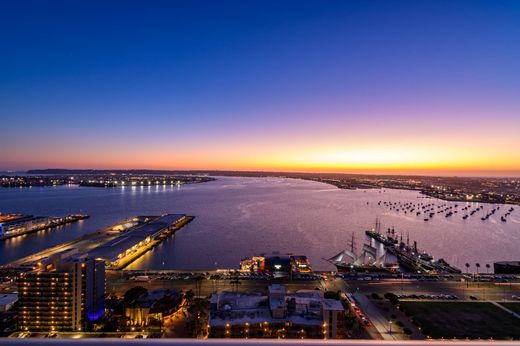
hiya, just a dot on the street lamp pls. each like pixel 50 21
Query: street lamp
pixel 478 277
pixel 467 272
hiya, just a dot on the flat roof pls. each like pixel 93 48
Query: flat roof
pixel 240 342
pixel 276 288
pixel 8 298
pixel 126 240
pixel 332 304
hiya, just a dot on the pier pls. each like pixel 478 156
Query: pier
pixel 118 245
pixel 26 224
pixel 410 257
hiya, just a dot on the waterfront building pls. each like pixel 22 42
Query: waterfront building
pixel 64 295
pixel 132 243
pixel 18 224
pixel 277 265
pixel 302 314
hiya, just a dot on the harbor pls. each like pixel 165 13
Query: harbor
pixel 245 223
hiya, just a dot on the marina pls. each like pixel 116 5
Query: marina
pixel 446 209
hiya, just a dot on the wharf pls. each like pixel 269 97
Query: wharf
pixel 51 223
pixel 118 245
pixel 410 258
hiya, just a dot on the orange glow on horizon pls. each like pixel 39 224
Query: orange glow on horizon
pixel 362 161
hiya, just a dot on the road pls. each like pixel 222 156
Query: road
pixel 207 287
pixel 483 290
pixel 380 323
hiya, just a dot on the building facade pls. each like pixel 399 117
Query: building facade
pixel 304 314
pixel 67 295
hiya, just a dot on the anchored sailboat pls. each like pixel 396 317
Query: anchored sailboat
pixel 373 258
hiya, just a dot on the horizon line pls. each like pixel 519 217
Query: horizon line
pixel 383 173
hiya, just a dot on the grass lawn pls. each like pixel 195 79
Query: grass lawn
pixel 512 306
pixel 463 320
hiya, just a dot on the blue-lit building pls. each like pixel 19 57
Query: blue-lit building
pixel 65 295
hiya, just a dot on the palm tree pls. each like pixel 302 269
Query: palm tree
pixel 467 272
pixel 198 284
pixel 235 283
pixel 487 268
pixel 478 266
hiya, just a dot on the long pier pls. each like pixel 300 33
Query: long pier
pixel 52 223
pixel 118 245
pixel 410 258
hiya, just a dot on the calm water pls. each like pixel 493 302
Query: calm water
pixel 238 217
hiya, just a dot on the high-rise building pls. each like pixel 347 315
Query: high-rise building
pixel 65 295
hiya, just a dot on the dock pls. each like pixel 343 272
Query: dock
pixel 409 257
pixel 26 224
pixel 118 245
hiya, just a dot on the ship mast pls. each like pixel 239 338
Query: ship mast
pixel 378 225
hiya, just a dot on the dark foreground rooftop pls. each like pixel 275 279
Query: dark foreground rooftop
pixel 249 342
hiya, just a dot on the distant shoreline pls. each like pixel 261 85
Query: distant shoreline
pixel 245 173
pixel 456 189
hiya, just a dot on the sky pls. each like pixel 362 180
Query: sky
pixel 419 87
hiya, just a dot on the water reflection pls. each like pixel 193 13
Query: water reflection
pixel 238 217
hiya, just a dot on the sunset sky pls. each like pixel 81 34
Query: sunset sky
pixel 429 87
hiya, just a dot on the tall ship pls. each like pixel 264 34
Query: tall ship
pixel 389 253
pixel 374 257
pixel 409 257
pixel 507 267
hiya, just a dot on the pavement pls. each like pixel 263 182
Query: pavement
pixel 505 309
pixel 372 312
pixel 483 291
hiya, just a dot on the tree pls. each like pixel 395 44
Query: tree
pixel 133 294
pixel 487 268
pixel 467 272
pixel 392 298
pixel 235 283
pixel 198 283
pixel 478 266
pixel 331 295
pixel 189 295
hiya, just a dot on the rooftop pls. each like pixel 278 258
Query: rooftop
pixel 112 249
pixel 8 298
pixel 303 307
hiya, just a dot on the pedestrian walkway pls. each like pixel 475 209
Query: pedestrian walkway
pixel 380 323
pixel 505 309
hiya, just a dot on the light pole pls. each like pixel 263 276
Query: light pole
pixel 478 278
pixel 467 272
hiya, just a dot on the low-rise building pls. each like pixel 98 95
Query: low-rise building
pixel 152 306
pixel 7 301
pixel 302 314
